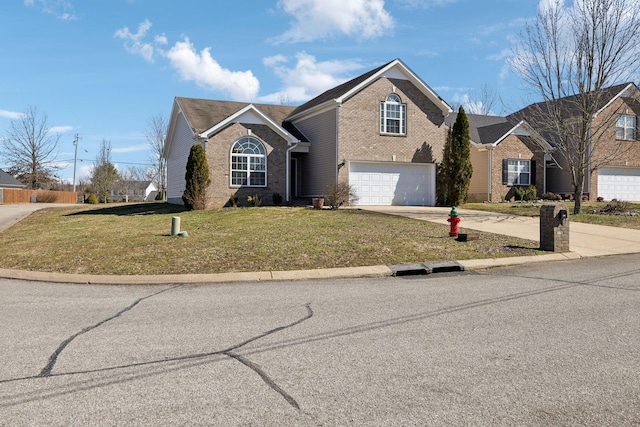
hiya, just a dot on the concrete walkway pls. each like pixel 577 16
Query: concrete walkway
pixel 586 240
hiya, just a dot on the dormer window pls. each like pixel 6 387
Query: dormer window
pixel 626 127
pixel 393 116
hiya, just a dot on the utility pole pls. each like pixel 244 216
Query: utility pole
pixel 75 160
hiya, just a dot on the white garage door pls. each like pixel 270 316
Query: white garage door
pixel 379 184
pixel 619 183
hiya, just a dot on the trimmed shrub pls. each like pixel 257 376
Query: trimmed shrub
pixel 337 195
pixel 92 199
pixel 530 193
pixel 254 200
pixel 277 199
pixel 47 197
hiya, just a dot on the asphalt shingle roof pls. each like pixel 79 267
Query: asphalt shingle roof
pixel 7 180
pixel 203 114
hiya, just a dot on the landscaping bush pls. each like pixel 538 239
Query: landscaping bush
pixel 47 197
pixel 337 195
pixel 277 199
pixel 233 200
pixel 92 199
pixel 530 193
pixel 519 192
pixel 551 196
pixel 254 200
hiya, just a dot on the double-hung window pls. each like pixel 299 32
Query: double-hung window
pixel 248 163
pixel 518 172
pixel 393 116
pixel 626 127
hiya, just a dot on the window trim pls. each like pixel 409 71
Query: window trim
pixel 621 131
pixel 393 100
pixel 245 159
pixel 518 183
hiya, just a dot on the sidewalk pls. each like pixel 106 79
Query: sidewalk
pixel 586 240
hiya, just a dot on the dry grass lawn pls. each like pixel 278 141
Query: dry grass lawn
pixel 135 239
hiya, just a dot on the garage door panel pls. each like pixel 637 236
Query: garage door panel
pixel 619 183
pixel 393 184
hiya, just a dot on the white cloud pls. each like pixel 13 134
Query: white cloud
pixel 131 149
pixel 318 19
pixel 199 67
pixel 425 4
pixel 11 115
pixel 307 77
pixel 60 129
pixel 62 9
pixel 134 42
pixel 205 71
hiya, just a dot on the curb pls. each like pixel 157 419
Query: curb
pixel 266 276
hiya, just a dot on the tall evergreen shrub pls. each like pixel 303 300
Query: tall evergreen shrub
pixel 196 179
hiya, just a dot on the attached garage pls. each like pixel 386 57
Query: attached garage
pixel 385 184
pixel 619 183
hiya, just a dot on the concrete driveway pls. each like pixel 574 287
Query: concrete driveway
pixel 585 239
pixel 10 214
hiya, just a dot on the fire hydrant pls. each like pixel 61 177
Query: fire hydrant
pixel 453 220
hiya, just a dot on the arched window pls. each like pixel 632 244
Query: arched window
pixel 248 163
pixel 393 115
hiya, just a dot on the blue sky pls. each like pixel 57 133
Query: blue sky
pixel 102 68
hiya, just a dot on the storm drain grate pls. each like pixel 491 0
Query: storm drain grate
pixel 424 268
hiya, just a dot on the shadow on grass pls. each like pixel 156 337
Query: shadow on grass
pixel 134 209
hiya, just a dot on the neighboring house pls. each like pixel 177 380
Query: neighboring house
pixel 382 133
pixel 505 155
pixel 616 165
pixel 7 181
pixel 134 191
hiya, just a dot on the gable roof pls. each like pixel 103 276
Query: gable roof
pixel 340 93
pixel 203 114
pixel 8 181
pixel 570 104
pixel 491 130
pixel 483 129
pixel 208 115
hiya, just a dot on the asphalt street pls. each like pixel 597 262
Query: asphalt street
pixel 545 344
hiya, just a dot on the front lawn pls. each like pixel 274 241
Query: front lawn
pixel 135 239
pixel 591 212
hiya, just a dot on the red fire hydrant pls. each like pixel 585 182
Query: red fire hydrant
pixel 453 220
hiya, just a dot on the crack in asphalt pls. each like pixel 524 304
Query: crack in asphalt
pixel 46 371
pixel 228 352
pixel 256 368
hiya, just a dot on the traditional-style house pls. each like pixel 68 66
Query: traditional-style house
pixel 382 133
pixel 614 171
pixel 505 155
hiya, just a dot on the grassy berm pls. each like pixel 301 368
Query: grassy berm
pixel 135 239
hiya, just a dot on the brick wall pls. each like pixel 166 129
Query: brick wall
pixel 609 150
pixel 359 127
pixel 218 150
pixel 515 147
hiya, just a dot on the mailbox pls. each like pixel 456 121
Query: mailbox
pixel 554 227
pixel 563 215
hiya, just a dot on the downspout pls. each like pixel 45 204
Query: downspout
pixel 287 166
pixel 337 163
pixel 490 170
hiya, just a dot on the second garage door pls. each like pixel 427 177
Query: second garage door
pixel 380 184
pixel 619 183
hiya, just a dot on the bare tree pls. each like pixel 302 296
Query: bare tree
pixel 104 173
pixel 483 101
pixel 156 135
pixel 569 56
pixel 30 147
